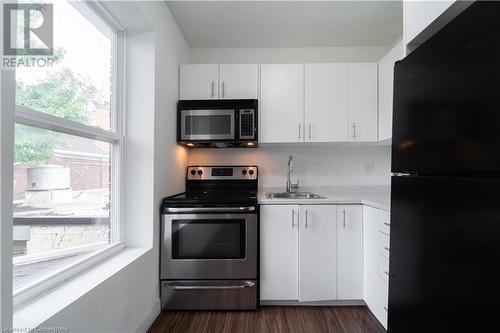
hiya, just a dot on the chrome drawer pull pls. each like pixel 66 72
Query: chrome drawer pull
pixel 387 224
pixel 386 248
pixel 386 273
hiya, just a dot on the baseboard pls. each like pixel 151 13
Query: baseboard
pixel 150 317
pixel 315 303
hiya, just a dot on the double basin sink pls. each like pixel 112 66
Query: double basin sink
pixel 293 195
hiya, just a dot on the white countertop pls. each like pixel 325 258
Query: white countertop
pixel 374 196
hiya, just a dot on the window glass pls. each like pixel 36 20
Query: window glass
pixel 61 200
pixel 77 86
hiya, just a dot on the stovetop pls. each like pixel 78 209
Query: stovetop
pixel 217 186
pixel 211 198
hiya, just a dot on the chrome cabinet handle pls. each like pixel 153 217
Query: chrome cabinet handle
pixel 354 130
pixel 299 130
pixel 387 224
pixel 344 218
pixel 223 90
pixel 293 218
pixel 385 308
pixel 306 218
pixel 386 248
pixel 310 132
pixel 213 89
pixel 386 273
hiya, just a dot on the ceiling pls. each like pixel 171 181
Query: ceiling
pixel 288 23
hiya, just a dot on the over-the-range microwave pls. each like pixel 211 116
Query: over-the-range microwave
pixel 230 123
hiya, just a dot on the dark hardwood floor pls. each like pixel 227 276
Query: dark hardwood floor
pixel 352 319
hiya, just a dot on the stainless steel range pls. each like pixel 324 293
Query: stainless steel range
pixel 209 241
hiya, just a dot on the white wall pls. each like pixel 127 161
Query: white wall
pixel 286 55
pixel 129 300
pixel 7 88
pixel 314 165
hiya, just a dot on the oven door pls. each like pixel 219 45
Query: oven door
pixel 209 246
pixel 207 125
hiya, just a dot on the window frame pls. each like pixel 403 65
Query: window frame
pixel 99 17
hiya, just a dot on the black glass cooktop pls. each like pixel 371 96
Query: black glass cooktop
pixel 219 198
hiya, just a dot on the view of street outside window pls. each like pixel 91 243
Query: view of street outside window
pixel 62 197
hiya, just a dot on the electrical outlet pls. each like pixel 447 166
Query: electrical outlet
pixel 368 167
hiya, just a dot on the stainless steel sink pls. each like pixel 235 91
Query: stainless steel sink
pixel 294 195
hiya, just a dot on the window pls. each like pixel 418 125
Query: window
pixel 67 150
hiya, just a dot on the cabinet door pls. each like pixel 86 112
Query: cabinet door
pixel 238 81
pixel 326 92
pixel 375 285
pixel 317 255
pixel 279 252
pixel 282 96
pixel 385 90
pixel 363 102
pixel 350 251
pixel 199 81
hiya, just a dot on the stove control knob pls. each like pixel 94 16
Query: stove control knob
pixel 200 172
pixel 193 172
pixel 244 171
pixel 250 172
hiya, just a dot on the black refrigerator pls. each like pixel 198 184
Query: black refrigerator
pixel 445 208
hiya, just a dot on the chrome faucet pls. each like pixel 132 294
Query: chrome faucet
pixel 291 187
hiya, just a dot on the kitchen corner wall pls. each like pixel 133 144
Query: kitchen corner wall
pixel 315 165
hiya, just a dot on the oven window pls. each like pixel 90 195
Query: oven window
pixel 208 239
pixel 208 124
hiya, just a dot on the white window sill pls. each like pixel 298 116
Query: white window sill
pixel 38 310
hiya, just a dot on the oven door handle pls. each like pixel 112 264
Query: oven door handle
pixel 176 286
pixel 210 210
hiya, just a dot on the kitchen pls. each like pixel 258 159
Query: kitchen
pixel 259 166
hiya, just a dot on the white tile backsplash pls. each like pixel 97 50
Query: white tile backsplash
pixel 315 165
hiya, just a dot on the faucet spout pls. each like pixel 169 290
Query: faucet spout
pixel 290 187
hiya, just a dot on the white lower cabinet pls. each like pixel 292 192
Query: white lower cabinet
pixel 279 245
pixel 317 253
pixel 350 252
pixel 376 261
pixel 311 253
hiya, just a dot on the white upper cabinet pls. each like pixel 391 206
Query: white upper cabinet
pixel 386 89
pixel 419 14
pixel 350 252
pixel 279 244
pixel 317 255
pixel 329 102
pixel 238 81
pixel 363 121
pixel 326 104
pixel 199 81
pixel 282 103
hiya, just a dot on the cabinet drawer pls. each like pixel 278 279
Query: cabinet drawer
pixel 385 223
pixel 383 268
pixel 383 244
